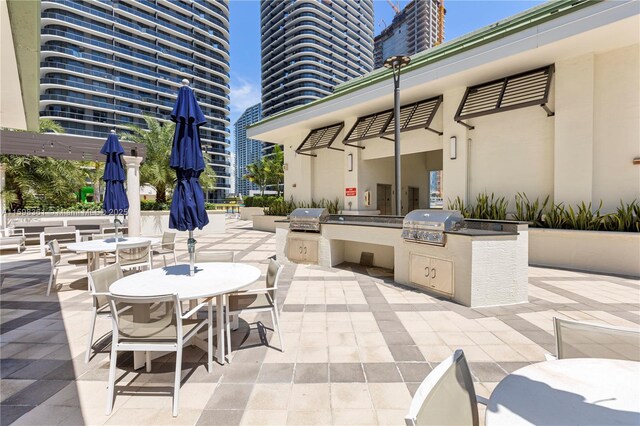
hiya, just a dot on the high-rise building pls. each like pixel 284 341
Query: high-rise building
pixel 105 64
pixel 309 46
pixel 248 151
pixel 413 30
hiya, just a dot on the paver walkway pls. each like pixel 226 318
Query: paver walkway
pixel 356 345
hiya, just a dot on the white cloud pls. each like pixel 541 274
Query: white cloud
pixel 244 93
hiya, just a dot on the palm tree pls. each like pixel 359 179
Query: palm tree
pixel 158 138
pixel 41 179
pixel 45 180
pixel 257 174
pixel 155 171
pixel 49 126
pixel 274 166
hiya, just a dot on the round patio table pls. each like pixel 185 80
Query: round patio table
pixel 93 248
pixel 209 280
pixel 568 392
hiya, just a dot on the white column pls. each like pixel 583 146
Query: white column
pixel 133 193
pixel 455 179
pixel 3 217
pixel 573 144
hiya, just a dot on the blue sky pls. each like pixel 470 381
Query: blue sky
pixel 463 16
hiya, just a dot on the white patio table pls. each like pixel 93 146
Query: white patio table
pixel 209 280
pixel 568 392
pixel 93 248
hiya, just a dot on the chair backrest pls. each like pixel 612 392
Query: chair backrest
pixel 110 229
pixel 104 236
pixel 59 229
pixel 133 253
pixel 54 248
pixel 446 396
pixel 101 279
pixel 576 339
pixel 215 256
pixel 273 276
pixel 164 323
pixel 168 240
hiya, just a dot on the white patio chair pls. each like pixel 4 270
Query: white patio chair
pixel 167 246
pixel 577 339
pixel 134 255
pixel 165 329
pixel 99 282
pixel 106 256
pixel 56 256
pixel 446 396
pixel 12 238
pixel 215 256
pixel 257 300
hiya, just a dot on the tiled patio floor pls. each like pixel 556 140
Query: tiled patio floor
pixel 356 345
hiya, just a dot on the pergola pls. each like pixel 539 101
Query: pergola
pixel 79 148
pixel 61 146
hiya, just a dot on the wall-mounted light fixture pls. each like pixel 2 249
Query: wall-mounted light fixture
pixel 350 162
pixel 453 148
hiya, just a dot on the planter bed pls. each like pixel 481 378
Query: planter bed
pixel 594 251
pixel 266 223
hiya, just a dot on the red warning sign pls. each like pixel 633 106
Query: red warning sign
pixel 350 192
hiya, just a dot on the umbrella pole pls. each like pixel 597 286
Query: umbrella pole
pixel 191 246
pixel 115 225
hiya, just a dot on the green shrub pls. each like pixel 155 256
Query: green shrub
pixel 527 211
pixel 555 218
pixel 333 207
pixel 458 204
pixel 150 205
pixel 260 200
pixel 489 207
pixel 583 218
pixel 280 207
pixel 625 219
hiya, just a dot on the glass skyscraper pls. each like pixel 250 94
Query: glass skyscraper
pixel 309 46
pixel 413 30
pixel 248 151
pixel 106 63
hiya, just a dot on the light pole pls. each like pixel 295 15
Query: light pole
pixel 395 63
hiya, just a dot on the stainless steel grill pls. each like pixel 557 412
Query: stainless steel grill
pixel 428 226
pixel 307 219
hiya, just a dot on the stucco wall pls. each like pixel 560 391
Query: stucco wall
pixel 511 152
pixel 583 153
pixel 328 170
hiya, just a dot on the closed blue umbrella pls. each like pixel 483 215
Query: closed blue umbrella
pixel 115 198
pixel 187 206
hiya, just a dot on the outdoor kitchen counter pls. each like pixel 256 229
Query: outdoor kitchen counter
pixel 483 264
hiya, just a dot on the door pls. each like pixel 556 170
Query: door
pixel 435 189
pixel 420 269
pixel 441 277
pixel 384 199
pixel 414 198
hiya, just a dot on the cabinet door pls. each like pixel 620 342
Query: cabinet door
pixel 310 250
pixel 441 276
pixel 420 269
pixel 296 250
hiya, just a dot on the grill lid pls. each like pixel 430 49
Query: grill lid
pixel 309 215
pixel 441 220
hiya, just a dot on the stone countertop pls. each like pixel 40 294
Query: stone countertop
pixel 364 223
pixel 467 232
